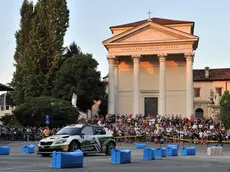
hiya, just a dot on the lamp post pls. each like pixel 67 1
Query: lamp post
pixel 225 105
pixel 52 119
pixel 4 102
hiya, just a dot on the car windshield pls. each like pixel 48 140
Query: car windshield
pixel 69 131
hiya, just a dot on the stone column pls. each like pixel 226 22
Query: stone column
pixel 189 84
pixel 162 84
pixel 116 72
pixel 136 85
pixel 111 90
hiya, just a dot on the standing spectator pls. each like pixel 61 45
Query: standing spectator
pixel 47 132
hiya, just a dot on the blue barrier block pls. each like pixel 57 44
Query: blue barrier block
pixel 4 150
pixel 173 145
pixel 149 154
pixel 164 152
pixel 158 153
pixel 67 159
pixel 192 150
pixel 140 146
pixel 184 152
pixel 172 151
pixel 188 151
pixel 216 146
pixel 121 156
pixel 28 149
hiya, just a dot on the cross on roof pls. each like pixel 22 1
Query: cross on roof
pixel 149 13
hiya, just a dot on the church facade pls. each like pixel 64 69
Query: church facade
pixel 151 67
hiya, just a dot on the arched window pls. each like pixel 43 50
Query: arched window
pixel 199 113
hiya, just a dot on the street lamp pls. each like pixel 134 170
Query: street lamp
pixel 52 119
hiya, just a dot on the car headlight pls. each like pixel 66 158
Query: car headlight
pixel 60 141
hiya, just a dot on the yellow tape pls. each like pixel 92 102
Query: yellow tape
pixel 205 141
pixel 173 138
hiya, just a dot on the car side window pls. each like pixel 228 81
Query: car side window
pixel 99 131
pixel 87 130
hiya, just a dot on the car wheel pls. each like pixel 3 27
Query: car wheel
pixel 109 148
pixel 74 146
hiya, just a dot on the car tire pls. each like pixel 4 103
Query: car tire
pixel 74 146
pixel 110 146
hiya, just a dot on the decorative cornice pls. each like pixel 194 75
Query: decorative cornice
pixel 111 59
pixel 136 57
pixel 162 54
pixel 116 63
pixel 189 56
pixel 162 57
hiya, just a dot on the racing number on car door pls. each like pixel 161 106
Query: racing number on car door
pixel 89 143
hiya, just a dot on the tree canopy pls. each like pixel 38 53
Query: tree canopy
pixel 33 112
pixel 225 109
pixel 39 48
pixel 79 75
pixel 22 41
pixel 46 72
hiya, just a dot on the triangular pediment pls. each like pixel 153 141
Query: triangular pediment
pixel 149 32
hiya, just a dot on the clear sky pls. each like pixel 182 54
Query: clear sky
pixel 90 21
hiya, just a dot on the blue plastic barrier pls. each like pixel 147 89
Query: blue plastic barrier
pixel 4 150
pixel 149 154
pixel 158 153
pixel 216 146
pixel 140 146
pixel 171 145
pixel 172 151
pixel 188 151
pixel 121 156
pixel 67 159
pixel 28 149
pixel 164 152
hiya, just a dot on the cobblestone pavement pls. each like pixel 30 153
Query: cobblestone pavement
pixel 18 162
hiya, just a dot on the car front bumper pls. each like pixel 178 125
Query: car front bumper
pixel 49 149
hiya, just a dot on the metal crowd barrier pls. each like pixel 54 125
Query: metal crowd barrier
pixel 173 139
pixel 20 137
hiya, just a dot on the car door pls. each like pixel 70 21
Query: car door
pixel 89 143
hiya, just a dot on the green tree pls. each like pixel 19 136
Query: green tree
pixel 79 75
pixel 33 112
pixel 22 41
pixel 225 109
pixel 72 49
pixel 51 21
pixel 9 120
pixel 39 48
pixel 103 108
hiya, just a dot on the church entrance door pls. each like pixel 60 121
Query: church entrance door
pixel 151 106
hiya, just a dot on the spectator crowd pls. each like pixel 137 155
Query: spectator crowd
pixel 150 129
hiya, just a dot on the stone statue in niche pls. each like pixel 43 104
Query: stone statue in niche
pixel 211 97
pixel 74 100
pixel 217 99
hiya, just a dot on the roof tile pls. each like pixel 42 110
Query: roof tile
pixel 160 21
pixel 214 74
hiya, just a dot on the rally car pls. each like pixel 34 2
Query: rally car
pixel 88 138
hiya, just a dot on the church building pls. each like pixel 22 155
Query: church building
pixel 151 67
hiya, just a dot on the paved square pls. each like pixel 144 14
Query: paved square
pixel 18 162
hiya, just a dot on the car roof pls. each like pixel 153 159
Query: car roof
pixel 82 125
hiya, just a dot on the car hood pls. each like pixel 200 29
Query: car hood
pixel 55 137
